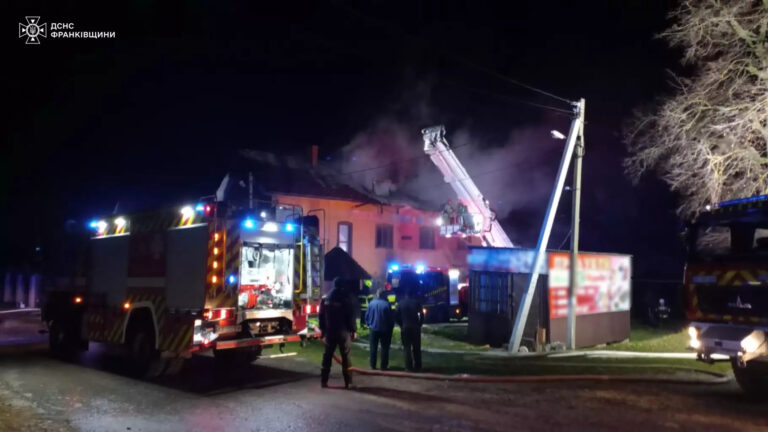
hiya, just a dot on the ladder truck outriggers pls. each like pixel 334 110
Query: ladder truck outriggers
pixel 472 215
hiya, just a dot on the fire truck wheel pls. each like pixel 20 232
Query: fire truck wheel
pixel 145 361
pixel 753 378
pixel 59 342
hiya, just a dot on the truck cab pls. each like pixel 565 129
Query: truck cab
pixel 726 287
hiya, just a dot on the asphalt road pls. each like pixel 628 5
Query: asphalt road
pixel 284 394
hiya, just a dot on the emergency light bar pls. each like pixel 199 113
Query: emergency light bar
pixel 742 201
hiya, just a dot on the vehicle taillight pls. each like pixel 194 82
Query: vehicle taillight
pixel 308 309
pixel 216 314
pixel 78 300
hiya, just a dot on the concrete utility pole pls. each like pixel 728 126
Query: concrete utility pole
pixel 546 228
pixel 578 155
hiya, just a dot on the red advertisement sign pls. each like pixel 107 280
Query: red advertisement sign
pixel 603 283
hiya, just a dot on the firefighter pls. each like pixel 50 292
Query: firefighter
pixel 410 318
pixel 338 328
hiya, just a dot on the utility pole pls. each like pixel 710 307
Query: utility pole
pixel 578 155
pixel 546 228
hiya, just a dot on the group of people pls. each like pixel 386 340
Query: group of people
pixel 339 328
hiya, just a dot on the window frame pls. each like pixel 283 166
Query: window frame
pixel 349 235
pixel 433 242
pixel 379 242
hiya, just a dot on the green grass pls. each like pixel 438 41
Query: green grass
pixel 673 338
pixel 477 364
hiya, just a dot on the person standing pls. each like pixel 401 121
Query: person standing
pixel 338 328
pixel 409 317
pixel 380 320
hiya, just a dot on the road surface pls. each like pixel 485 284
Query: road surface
pixel 91 394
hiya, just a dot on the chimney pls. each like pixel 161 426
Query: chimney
pixel 315 150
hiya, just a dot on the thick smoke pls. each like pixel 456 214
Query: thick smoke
pixel 516 174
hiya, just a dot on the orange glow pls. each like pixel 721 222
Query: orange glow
pixel 126 305
pixel 216 237
pixel 78 300
pixel 424 311
pixel 215 251
pixel 214 279
pixel 208 314
pixel 215 264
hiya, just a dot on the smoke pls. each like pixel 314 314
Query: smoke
pixel 514 175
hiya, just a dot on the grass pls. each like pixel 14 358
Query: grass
pixel 477 364
pixel 672 338
pixel 453 337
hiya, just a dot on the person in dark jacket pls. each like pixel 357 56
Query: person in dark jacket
pixel 409 317
pixel 338 327
pixel 380 320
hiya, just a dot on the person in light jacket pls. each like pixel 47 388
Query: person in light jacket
pixel 380 320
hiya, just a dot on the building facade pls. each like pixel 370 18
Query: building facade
pixel 377 235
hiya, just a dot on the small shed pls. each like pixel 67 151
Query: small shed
pixel 498 278
pixel 338 264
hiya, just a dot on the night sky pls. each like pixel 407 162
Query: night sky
pixel 158 114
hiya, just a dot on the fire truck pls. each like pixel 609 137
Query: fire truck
pixel 438 289
pixel 210 277
pixel 726 286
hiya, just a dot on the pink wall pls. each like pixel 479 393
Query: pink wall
pixel 364 218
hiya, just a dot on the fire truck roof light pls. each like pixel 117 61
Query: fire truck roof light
pixel 101 226
pixel 289 227
pixel 232 279
pixel 270 227
pixel 420 268
pixel 743 200
pixel 394 267
pixel 93 224
pixel 249 223
pixel 199 208
pixel 187 211
pixel 120 222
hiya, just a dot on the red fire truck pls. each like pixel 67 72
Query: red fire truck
pixel 726 285
pixel 199 278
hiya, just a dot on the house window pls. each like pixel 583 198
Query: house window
pixel 384 236
pixel 344 239
pixel 426 237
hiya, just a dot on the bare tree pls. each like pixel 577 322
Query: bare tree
pixel 709 141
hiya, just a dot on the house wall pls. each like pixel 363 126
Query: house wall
pixel 364 218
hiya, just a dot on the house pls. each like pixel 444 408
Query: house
pixel 375 230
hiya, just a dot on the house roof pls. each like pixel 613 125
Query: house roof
pixel 338 264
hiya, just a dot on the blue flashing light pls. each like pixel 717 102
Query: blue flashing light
pixel 743 200
pixel 249 224
pixel 232 279
pixel 93 224
pixel 394 267
pixel 199 208
pixel 289 227
pixel 420 268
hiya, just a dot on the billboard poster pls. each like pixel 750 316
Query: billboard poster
pixel 603 284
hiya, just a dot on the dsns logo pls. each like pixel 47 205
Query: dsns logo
pixel 33 30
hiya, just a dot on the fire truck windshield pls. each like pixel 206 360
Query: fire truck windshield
pixel 266 277
pixel 730 239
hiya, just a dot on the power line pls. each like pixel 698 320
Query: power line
pixel 460 58
pixel 569 113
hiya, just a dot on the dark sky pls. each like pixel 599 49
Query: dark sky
pixel 157 114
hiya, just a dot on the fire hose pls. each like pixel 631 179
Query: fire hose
pixel 717 377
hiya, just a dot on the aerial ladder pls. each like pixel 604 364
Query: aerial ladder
pixel 472 215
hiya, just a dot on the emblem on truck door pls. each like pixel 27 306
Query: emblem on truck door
pixel 739 305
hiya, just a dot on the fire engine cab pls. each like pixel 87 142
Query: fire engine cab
pixel 438 289
pixel 726 286
pixel 206 277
